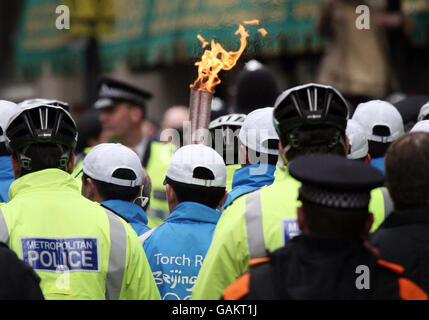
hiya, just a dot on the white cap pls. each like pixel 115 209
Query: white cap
pixel 357 139
pixel 424 111
pixel 104 159
pixel 190 157
pixel 379 113
pixel 7 111
pixel 421 126
pixel 257 130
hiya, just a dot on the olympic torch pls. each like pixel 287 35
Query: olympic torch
pixel 201 94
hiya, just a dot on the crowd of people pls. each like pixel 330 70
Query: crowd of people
pixel 301 196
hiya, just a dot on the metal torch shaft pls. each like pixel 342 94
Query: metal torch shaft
pixel 200 108
pixel 204 110
pixel 194 106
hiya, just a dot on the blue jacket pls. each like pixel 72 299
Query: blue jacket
pixel 131 212
pixel 176 249
pixel 6 177
pixel 378 163
pixel 244 181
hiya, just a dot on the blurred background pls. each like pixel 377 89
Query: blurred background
pixel 152 44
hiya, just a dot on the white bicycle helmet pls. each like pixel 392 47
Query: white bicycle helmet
pixel 47 102
pixel 224 131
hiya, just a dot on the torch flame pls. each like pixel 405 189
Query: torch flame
pixel 215 60
pixel 262 31
pixel 254 22
pixel 203 41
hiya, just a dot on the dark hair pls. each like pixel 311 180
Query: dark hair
pixel 109 191
pixel 270 158
pixel 407 172
pixel 325 221
pixel 377 149
pixel 3 149
pixel 209 196
pixel 308 137
pixel 43 156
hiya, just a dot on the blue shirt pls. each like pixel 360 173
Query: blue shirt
pixel 247 180
pixel 378 163
pixel 131 212
pixel 176 249
pixel 6 177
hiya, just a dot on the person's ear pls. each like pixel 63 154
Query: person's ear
pixel 347 148
pixel 368 224
pixel 71 163
pixel 171 198
pixel 136 114
pixel 222 201
pixel 15 167
pixel 89 190
pixel 242 155
pixel 368 159
pixel 301 219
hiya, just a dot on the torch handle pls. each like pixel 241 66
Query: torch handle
pixel 194 106
pixel 205 110
pixel 200 108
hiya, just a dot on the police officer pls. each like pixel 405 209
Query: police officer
pixel 330 259
pixel 256 87
pixel 79 249
pixel 309 119
pixel 123 108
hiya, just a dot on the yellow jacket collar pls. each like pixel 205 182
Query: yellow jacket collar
pixel 48 179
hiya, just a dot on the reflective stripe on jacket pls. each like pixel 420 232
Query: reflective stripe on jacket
pixel 259 221
pixel 78 249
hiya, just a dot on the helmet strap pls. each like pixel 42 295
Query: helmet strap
pixel 295 143
pixel 24 162
pixel 63 162
pixel 283 156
